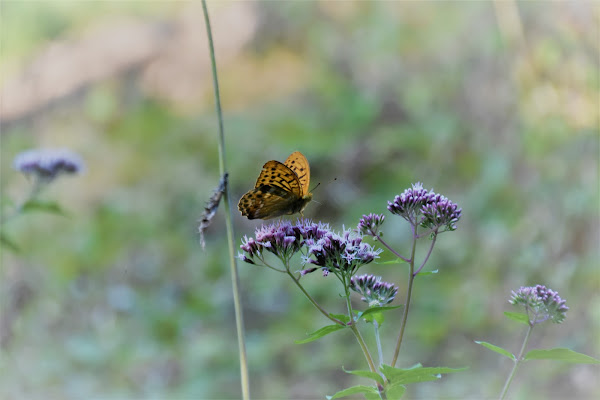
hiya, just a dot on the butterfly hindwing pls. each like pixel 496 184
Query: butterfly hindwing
pixel 266 202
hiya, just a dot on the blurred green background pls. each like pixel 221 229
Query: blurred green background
pixel 494 105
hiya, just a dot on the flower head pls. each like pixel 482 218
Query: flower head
pixel 281 238
pixel 369 224
pixel 426 208
pixel 374 291
pixel 540 303
pixel 408 204
pixel 47 164
pixel 439 212
pixel 341 253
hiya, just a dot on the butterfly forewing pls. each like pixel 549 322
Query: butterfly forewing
pixel 299 164
pixel 277 174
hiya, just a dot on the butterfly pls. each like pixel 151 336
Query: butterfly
pixel 281 189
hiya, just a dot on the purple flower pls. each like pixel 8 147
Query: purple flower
pixel 408 204
pixel 426 208
pixel 281 238
pixel 540 304
pixel 369 224
pixel 47 164
pixel 439 212
pixel 374 291
pixel 340 253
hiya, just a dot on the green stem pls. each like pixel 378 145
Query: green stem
pixel 411 279
pixel 378 341
pixel 313 301
pixel 358 336
pixel 235 280
pixel 517 362
pixel 37 187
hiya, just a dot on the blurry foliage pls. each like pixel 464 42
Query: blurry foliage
pixel 123 303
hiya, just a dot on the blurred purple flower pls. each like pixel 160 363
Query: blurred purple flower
pixel 540 304
pixel 47 164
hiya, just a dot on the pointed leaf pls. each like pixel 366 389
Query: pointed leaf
pixel 519 317
pixel 395 391
pixel 396 261
pixel 49 207
pixel 561 354
pixel 353 390
pixel 415 374
pixel 342 317
pixel 428 273
pixel 366 374
pixel 326 330
pixel 375 310
pixel 497 349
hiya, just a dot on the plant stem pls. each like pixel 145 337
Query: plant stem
pixel 313 301
pixel 235 280
pixel 427 257
pixel 37 187
pixel 411 279
pixel 390 249
pixel 378 341
pixel 517 362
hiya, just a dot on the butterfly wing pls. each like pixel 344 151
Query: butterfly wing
pixel 299 164
pixel 268 201
pixel 279 175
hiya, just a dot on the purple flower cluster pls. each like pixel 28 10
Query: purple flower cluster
pixel 540 303
pixel 426 208
pixel 369 224
pixel 325 249
pixel 340 253
pixel 374 291
pixel 280 238
pixel 47 164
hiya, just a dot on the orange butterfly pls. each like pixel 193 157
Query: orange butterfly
pixel 281 189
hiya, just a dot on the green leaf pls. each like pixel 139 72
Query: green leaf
pixel 326 330
pixel 341 317
pixel 497 349
pixel 428 273
pixel 366 374
pixel 49 207
pixel 375 310
pixel 395 391
pixel 561 354
pixel 519 317
pixel 415 374
pixel 354 390
pixel 389 262
pixel 372 396
pixel 8 243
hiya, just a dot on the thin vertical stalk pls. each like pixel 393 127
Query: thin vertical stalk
pixel 235 280
pixel 411 279
pixel 517 362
